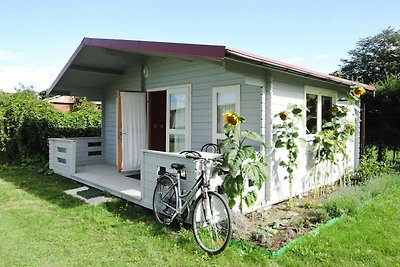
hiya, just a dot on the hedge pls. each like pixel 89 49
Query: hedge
pixel 26 123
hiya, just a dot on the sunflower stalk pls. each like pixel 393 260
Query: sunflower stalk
pixel 286 135
pixel 245 168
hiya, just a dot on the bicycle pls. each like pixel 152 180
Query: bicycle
pixel 211 220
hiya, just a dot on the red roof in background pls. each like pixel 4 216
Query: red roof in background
pixel 211 52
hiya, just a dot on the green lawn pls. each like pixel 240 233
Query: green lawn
pixel 371 237
pixel 42 226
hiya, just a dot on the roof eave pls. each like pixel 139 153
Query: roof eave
pixel 209 52
pixel 72 58
pixel 278 65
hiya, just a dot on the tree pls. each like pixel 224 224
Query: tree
pixel 374 58
pixel 383 129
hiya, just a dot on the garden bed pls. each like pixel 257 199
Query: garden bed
pixel 273 228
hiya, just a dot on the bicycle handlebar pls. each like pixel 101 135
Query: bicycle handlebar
pixel 191 154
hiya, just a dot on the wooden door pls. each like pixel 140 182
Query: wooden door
pixel 157 120
pixel 132 132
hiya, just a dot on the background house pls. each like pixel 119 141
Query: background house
pixel 66 102
pixel 63 103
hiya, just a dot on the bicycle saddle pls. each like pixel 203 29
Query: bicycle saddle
pixel 177 166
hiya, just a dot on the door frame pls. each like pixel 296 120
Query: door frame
pixel 119 126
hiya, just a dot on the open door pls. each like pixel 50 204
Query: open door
pixel 157 120
pixel 132 124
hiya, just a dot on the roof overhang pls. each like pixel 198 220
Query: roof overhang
pixel 282 66
pixel 99 61
pixel 123 49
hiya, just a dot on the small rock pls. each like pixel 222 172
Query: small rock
pixel 269 230
pixel 259 237
pixel 291 233
pixel 290 214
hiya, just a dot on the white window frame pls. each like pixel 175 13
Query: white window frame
pixel 320 92
pixel 215 91
pixel 187 131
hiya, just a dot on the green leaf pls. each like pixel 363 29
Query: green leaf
pixel 232 202
pixel 250 198
pixel 279 143
pixel 253 136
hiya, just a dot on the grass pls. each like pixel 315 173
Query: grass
pixel 370 237
pixel 42 226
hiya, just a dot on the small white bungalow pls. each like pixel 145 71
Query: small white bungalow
pixel 160 98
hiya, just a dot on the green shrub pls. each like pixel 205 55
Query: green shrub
pixel 344 201
pixel 26 123
pixel 369 168
pixel 349 199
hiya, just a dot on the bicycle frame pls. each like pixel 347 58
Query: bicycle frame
pixel 182 205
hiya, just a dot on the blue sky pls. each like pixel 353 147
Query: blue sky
pixel 38 37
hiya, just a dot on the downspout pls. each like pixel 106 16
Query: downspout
pixel 263 116
pixel 362 149
pixel 268 134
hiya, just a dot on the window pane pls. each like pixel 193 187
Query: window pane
pixel 176 142
pixel 326 109
pixel 226 101
pixel 177 111
pixel 312 105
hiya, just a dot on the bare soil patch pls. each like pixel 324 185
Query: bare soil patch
pixel 276 226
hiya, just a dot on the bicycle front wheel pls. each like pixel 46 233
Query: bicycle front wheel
pixel 211 223
pixel 165 200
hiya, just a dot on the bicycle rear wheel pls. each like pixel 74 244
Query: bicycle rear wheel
pixel 211 223
pixel 165 200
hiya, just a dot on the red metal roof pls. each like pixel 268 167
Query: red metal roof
pixel 211 52
pixel 288 67
pixel 178 49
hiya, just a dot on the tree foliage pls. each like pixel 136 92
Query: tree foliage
pixel 374 58
pixel 26 123
pixel 382 127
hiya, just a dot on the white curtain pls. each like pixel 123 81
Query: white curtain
pixel 133 109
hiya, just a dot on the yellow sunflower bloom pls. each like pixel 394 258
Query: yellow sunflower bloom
pixel 283 115
pixel 334 110
pixel 358 91
pixel 231 118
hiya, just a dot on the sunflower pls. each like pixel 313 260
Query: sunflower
pixel 231 118
pixel 349 128
pixel 283 115
pixel 334 110
pixel 358 91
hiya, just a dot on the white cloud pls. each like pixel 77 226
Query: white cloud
pixel 8 55
pixel 40 77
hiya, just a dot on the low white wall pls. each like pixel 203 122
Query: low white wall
pixel 65 154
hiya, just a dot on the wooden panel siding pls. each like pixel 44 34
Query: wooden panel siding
pixel 203 77
pixel 290 89
pixel 152 160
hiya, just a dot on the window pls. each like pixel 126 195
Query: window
pixel 319 103
pixel 178 118
pixel 225 98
